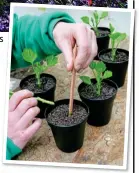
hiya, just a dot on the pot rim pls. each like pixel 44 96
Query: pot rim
pixel 97 100
pixel 111 62
pixel 33 75
pixel 64 126
pixel 102 27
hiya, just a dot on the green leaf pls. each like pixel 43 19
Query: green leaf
pixel 121 37
pixel 92 20
pixel 10 94
pixel 86 80
pixel 29 55
pixel 111 28
pixel 107 74
pixel 104 14
pixel 115 35
pixel 85 19
pixel 100 67
pixel 93 65
pixel 37 68
pixel 51 60
pixel 96 16
pixel 44 67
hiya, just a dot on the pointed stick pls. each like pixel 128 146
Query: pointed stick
pixel 72 83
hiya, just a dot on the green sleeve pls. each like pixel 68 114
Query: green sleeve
pixel 12 149
pixel 35 32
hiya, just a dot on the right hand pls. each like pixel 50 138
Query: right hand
pixel 22 111
pixel 66 35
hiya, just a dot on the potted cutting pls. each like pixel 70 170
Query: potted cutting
pixel 41 84
pixel 67 119
pixel 116 59
pixel 98 94
pixel 102 33
pixel 68 129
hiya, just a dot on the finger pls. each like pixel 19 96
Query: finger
pixel 17 97
pixel 67 51
pixel 28 117
pixel 25 105
pixel 33 128
pixel 94 50
pixel 84 47
pixel 87 63
pixel 94 44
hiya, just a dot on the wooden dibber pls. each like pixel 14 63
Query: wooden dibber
pixel 72 83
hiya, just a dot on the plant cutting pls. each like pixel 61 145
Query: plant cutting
pixel 38 68
pixel 37 98
pixel 100 73
pixel 102 33
pixel 116 59
pixel 67 119
pixel 95 20
pixel 116 38
pixel 98 94
pixel 41 84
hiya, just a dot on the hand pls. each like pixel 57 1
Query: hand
pixel 22 111
pixel 67 34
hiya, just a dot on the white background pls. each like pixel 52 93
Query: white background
pixel 120 20
pixel 17 168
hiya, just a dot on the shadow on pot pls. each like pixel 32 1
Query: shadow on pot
pixel 102 40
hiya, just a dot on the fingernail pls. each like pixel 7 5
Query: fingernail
pixel 34 120
pixel 26 91
pixel 69 67
pixel 78 67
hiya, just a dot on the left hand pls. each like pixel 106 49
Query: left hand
pixel 22 111
pixel 67 34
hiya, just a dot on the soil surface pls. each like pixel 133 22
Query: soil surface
pixel 31 84
pixel 120 57
pixel 59 116
pixel 89 92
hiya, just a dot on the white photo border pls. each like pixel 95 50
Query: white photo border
pixel 38 163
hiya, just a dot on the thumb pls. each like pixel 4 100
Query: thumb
pixel 66 48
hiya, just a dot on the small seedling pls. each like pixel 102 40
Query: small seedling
pixel 100 73
pixel 94 20
pixel 30 56
pixel 116 38
pixel 38 98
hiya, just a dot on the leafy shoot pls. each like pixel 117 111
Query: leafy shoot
pixel 100 72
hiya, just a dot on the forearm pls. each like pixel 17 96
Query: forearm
pixel 36 32
pixel 11 150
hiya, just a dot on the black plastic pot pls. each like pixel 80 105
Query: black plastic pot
pixel 102 41
pixel 68 138
pixel 99 109
pixel 47 95
pixel 119 69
